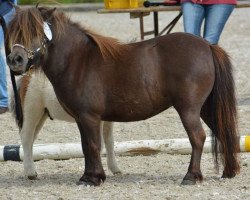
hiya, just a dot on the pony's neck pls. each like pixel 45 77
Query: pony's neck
pixel 76 44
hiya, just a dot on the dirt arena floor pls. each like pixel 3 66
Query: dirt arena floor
pixel 151 177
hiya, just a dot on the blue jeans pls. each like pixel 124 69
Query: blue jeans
pixel 3 81
pixel 215 16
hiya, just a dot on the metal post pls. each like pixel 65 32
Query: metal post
pixel 156 26
pixel 141 26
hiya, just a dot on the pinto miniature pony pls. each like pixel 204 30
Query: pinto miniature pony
pixel 97 78
pixel 38 101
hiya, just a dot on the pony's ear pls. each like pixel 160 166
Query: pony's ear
pixel 47 13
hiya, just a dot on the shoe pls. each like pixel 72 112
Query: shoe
pixel 3 110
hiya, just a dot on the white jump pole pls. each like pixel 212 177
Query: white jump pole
pixel 60 151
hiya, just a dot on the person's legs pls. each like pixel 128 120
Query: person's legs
pixel 3 81
pixel 216 17
pixel 193 15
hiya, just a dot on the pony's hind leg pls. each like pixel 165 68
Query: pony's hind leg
pixel 107 134
pixel 191 121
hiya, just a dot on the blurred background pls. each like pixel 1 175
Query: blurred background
pixel 60 1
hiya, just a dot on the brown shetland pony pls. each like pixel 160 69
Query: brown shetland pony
pixel 96 78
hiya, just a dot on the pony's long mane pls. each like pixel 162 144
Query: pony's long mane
pixel 28 24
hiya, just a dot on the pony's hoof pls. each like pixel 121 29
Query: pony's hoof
pixel 188 182
pixel 191 178
pixel 84 183
pixel 228 175
pixel 90 180
pixel 117 173
pixel 32 177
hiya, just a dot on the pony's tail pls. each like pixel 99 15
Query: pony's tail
pixel 224 114
pixel 12 105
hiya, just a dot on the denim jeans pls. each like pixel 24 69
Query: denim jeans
pixel 215 16
pixel 3 65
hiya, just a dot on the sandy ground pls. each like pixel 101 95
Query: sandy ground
pixel 151 177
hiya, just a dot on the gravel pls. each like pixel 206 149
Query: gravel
pixel 151 177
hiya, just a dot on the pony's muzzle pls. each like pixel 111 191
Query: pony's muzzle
pixel 16 62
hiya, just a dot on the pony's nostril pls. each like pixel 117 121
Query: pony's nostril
pixel 18 60
pixel 9 60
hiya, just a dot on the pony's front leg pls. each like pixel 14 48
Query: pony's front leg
pixel 27 138
pixel 89 127
pixel 32 123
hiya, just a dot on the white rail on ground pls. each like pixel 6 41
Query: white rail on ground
pixel 60 151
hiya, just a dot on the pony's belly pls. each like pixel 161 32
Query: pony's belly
pixel 130 114
pixel 56 111
pixel 140 104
